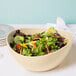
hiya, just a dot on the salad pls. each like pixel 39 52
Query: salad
pixel 37 44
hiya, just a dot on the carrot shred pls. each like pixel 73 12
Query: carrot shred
pixel 46 41
pixel 47 48
pixel 20 51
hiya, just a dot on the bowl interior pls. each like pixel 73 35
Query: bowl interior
pixel 65 34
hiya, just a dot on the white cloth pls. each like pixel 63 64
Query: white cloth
pixel 60 25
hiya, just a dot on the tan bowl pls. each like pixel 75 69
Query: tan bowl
pixel 41 63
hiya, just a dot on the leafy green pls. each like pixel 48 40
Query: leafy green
pixel 39 44
pixel 52 30
pixel 18 39
pixel 42 34
pixel 26 52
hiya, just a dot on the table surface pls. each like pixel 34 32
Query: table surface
pixel 9 66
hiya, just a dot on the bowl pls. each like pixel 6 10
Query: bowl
pixel 45 62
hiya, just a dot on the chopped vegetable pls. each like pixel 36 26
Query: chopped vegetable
pixel 24 45
pixel 34 44
pixel 37 44
pixel 52 30
pixel 20 51
pixel 18 39
pixel 18 46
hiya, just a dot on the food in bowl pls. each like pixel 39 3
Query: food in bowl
pixel 37 44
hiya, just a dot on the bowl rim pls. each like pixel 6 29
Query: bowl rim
pixel 42 55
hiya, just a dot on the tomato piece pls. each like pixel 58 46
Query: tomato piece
pixel 18 46
pixel 34 44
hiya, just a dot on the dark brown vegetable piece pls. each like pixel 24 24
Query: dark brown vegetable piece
pixel 61 44
pixel 17 31
pixel 61 39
